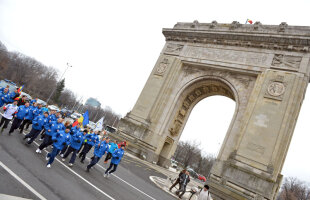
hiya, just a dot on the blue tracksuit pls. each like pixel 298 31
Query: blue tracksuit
pixel 77 140
pixel 117 156
pixel 30 114
pixel 113 146
pixel 101 149
pixel 92 139
pixel 33 101
pixel 38 112
pixel 22 112
pixel 55 127
pixel 52 118
pixel 74 130
pixel 4 98
pixel 60 139
pixel 39 122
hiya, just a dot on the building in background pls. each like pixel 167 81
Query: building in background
pixel 93 102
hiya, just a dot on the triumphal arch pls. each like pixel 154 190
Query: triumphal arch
pixel 263 68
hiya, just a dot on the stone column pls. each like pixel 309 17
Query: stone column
pixel 253 169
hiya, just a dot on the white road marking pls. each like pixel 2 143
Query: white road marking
pixel 94 185
pixel 22 181
pixel 128 184
pixel 80 176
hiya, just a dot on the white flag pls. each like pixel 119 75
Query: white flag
pixel 99 125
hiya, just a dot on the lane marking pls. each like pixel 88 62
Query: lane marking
pixel 80 176
pixel 22 181
pixel 94 185
pixel 128 183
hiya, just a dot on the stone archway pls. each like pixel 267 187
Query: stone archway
pixel 265 69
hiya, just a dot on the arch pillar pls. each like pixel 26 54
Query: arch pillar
pixel 265 69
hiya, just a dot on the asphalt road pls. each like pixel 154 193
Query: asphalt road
pixel 130 181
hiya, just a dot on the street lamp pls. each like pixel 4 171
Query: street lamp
pixel 58 81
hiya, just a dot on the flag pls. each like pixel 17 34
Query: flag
pixel 99 125
pixel 20 89
pixel 249 21
pixel 84 119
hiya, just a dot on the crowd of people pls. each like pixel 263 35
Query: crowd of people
pixel 60 135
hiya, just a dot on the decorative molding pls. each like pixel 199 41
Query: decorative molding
pixel 215 88
pixel 281 37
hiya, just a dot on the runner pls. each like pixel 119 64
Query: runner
pixel 52 129
pixel 37 125
pixel 19 117
pixel 116 159
pixel 60 139
pixel 75 144
pixel 9 111
pixel 113 146
pixel 99 151
pixel 92 139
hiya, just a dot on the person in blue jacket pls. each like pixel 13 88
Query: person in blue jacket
pixel 33 101
pixel 59 139
pixel 75 144
pixel 28 118
pixel 113 147
pixel 51 118
pixel 38 111
pixel 116 159
pixel 73 131
pixel 37 125
pixel 4 96
pixel 52 128
pixel 92 139
pixel 100 149
pixel 19 117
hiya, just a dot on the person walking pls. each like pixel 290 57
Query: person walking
pixel 100 149
pixel 4 97
pixel 52 129
pixel 113 147
pixel 92 139
pixel 37 125
pixel 184 180
pixel 60 139
pixel 116 159
pixel 75 144
pixel 204 194
pixel 19 117
pixel 9 111
pixel 177 181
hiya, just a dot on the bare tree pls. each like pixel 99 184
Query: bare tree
pixel 294 189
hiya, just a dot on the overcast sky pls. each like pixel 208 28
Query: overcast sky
pixel 113 46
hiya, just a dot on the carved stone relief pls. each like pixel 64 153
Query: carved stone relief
pixel 162 67
pixel 276 88
pixel 286 61
pixel 174 49
pixel 239 57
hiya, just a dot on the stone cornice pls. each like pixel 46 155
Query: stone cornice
pixel 282 37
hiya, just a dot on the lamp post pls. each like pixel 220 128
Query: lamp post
pixel 58 81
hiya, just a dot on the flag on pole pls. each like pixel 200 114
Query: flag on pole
pixel 20 89
pixel 249 21
pixel 84 119
pixel 99 125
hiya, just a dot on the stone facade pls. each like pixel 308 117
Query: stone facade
pixel 264 68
